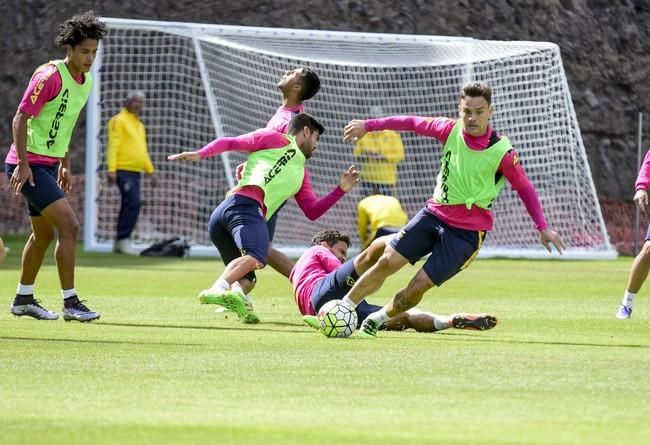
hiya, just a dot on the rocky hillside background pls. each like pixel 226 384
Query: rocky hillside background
pixel 605 48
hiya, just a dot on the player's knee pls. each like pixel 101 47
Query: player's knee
pixel 385 265
pixel 42 239
pixel 70 229
pixel 645 251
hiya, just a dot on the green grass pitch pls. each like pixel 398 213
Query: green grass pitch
pixel 159 368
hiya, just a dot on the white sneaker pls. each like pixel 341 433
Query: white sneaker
pixel 624 312
pixel 124 246
pixel 34 310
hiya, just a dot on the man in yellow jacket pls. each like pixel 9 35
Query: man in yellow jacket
pixel 379 215
pixel 378 154
pixel 127 159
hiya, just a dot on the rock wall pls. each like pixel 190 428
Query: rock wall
pixel 605 48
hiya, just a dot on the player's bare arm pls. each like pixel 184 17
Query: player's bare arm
pixel 354 131
pixel 641 199
pixel 548 236
pixel 349 178
pixel 185 156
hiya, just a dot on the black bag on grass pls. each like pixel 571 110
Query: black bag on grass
pixel 175 247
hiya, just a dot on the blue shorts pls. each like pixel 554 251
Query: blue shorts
pixel 451 249
pixel 45 190
pixel 270 224
pixel 335 285
pixel 238 228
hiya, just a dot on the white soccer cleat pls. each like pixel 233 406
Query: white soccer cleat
pixel 624 312
pixel 34 310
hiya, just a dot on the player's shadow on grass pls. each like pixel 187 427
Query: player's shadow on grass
pixel 241 327
pixel 98 341
pixel 492 339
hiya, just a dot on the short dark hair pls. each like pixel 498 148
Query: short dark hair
pixel 79 28
pixel 331 237
pixel 309 84
pixel 477 89
pixel 302 120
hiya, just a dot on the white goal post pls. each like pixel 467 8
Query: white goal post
pixel 203 81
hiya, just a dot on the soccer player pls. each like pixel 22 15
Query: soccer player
pixel 275 171
pixel 38 164
pixel 296 86
pixel 379 215
pixel 322 274
pixel 475 163
pixel 641 264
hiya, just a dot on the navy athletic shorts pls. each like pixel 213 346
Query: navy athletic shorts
pixel 238 228
pixel 45 190
pixel 451 249
pixel 335 285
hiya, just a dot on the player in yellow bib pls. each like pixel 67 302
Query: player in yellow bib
pixel 38 164
pixel 274 172
pixel 451 228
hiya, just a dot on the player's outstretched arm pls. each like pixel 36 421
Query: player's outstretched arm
pixel 548 236
pixel 349 178
pixel 354 130
pixel 185 156
pixel 641 199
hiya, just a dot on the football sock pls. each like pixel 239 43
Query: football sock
pixel 25 289
pixel 236 287
pixel 352 304
pixel 380 317
pixel 441 322
pixel 67 293
pixel 628 299
pixel 220 285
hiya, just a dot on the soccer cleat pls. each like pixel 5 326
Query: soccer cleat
pixel 78 311
pixel 311 321
pixel 33 309
pixel 368 329
pixel 624 312
pixel 233 301
pixel 209 296
pixel 481 322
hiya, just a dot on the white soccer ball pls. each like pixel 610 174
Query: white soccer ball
pixel 337 319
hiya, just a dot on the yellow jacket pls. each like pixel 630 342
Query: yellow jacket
pixel 127 144
pixel 377 211
pixel 387 144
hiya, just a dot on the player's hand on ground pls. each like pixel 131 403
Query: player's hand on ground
pixel 64 179
pixel 641 199
pixel 22 174
pixel 354 131
pixel 548 236
pixel 185 156
pixel 239 171
pixel 349 178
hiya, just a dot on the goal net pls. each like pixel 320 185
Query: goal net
pixel 205 81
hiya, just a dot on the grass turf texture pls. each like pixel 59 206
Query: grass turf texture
pixel 159 368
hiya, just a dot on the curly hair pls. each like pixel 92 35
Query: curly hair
pixel 331 237
pixel 79 28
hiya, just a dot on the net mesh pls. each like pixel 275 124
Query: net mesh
pixel 398 74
